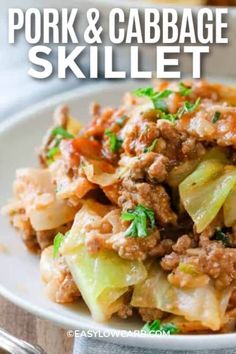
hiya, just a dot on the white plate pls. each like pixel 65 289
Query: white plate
pixel 19 270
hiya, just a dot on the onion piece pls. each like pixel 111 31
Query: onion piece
pixel 96 175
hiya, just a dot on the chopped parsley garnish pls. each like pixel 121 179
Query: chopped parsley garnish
pixel 59 131
pixel 120 121
pixel 156 327
pixel 222 237
pixel 157 98
pixel 184 90
pixel 189 107
pixel 145 92
pixel 216 117
pixel 115 142
pixel 58 239
pixel 141 218
pixel 52 152
pixel 151 147
pixel 170 117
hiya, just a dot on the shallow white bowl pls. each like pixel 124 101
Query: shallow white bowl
pixel 19 270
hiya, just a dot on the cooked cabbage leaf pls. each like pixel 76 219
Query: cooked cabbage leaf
pixel 229 209
pixel 204 192
pixel 204 304
pixel 96 174
pixel 101 278
pixel 183 170
pixel 35 189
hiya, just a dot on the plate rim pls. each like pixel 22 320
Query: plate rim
pixel 176 342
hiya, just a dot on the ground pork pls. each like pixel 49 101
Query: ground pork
pixel 149 195
pixel 163 248
pixel 150 314
pixel 134 248
pixel 54 272
pixel 213 259
pixel 182 244
pixel 21 222
pixel 125 311
pixel 209 232
pixel 170 261
pixel 67 290
pixel 45 238
pixel 152 166
pixel 200 125
pixel 139 135
pixel 219 263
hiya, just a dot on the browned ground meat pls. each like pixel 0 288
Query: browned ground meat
pixel 208 233
pixel 219 263
pixel 213 259
pixel 134 248
pixel 152 166
pixel 164 247
pixel 149 195
pixel 67 291
pixel 170 261
pixel 21 222
pixel 55 273
pixel 125 311
pixel 200 124
pixel 45 238
pixel 150 314
pixel 182 244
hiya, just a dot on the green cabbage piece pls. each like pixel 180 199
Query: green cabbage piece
pixel 229 209
pixel 101 278
pixel 204 304
pixel 184 169
pixel 204 192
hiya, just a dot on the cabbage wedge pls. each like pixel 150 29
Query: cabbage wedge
pixel 101 278
pixel 205 304
pixel 204 192
pixel 230 209
pixel 96 172
pixel 182 171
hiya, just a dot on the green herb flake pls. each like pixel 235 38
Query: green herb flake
pixel 169 328
pixel 216 117
pixel 120 121
pixel 156 327
pixel 145 92
pixel 184 90
pixel 188 107
pixel 157 98
pixel 170 117
pixel 52 152
pixel 59 131
pixel 115 142
pixel 222 237
pixel 58 239
pixel 141 218
pixel 152 146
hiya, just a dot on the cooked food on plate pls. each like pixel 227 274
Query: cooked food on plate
pixel 135 212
